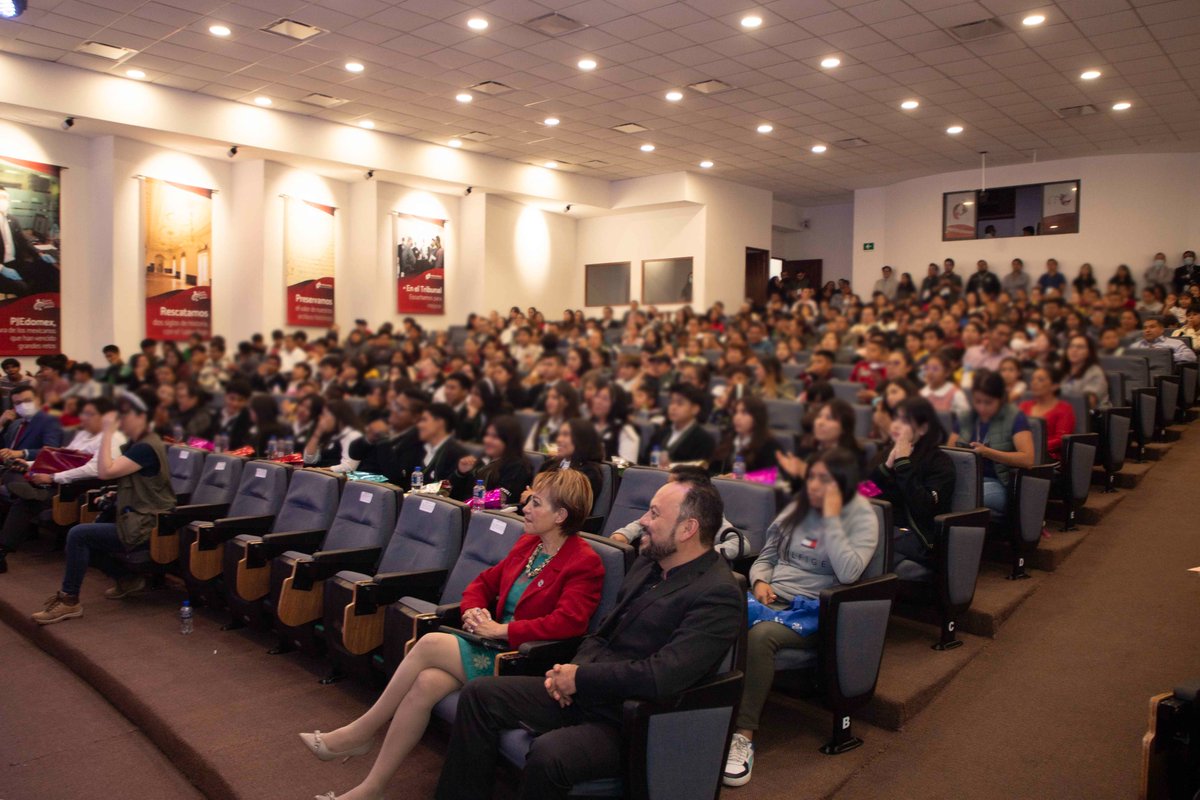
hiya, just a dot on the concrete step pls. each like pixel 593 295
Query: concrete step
pixel 1099 505
pixel 1131 474
pixel 1155 451
pixel 996 598
pixel 1173 433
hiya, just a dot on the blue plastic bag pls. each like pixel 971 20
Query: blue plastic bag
pixel 801 616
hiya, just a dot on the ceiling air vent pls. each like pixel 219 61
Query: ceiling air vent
pixel 630 127
pixel 595 164
pixel 477 136
pixel 853 141
pixel 293 30
pixel 1072 112
pixel 554 24
pixel 109 51
pixel 491 87
pixel 323 100
pixel 980 29
pixel 710 87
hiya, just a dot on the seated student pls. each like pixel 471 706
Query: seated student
pixel 336 430
pixel 916 477
pixel 1190 330
pixel 681 438
pixel 143 492
pixel 191 412
pixel 999 432
pixel 1110 343
pixel 820 368
pixel 826 537
pixel 27 428
pixel 768 377
pixel 483 404
pixel 749 437
pixel 443 453
pixel 645 401
pixel 1153 338
pixel 727 542
pixel 832 426
pixel 393 448
pixel 515 601
pixel 677 615
pixel 503 465
pixel 305 414
pixel 234 420
pixel 1014 382
pixel 32 498
pixel 561 403
pixel 1047 405
pixel 609 413
pixel 83 383
pixel 265 425
pixel 871 371
pixel 939 390
pixel 1082 373
pixel 578 447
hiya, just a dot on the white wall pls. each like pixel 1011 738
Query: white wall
pixel 829 237
pixel 1130 207
pixel 529 259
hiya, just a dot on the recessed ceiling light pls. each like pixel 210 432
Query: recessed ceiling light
pixel 1033 19
pixel 136 74
pixel 706 165
pixel 219 30
pixel 1090 75
pixel 354 66
pixel 550 122
pixel 366 123
pixel 765 128
pixel 751 21
pixel 954 129
pixel 587 64
pixel 477 24
pixel 647 148
pixel 831 62
pixel 909 105
pixel 1122 106
pixel 262 100
pixel 819 148
pixel 463 97
pixel 674 95
pixel 455 142
pixel 550 165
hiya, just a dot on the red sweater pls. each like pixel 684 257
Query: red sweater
pixel 559 602
pixel 1060 422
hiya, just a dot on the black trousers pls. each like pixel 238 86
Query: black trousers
pixel 573 745
pixel 19 523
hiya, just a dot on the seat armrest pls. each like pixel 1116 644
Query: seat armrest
pixel 534 658
pixel 449 614
pixel 169 522
pixel 275 544
pixel 716 692
pixel 76 490
pixel 183 498
pixel 498 645
pixel 388 587
pixel 211 535
pixel 327 563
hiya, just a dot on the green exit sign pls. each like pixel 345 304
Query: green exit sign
pixel 868 245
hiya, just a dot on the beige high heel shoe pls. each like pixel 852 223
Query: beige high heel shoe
pixel 317 747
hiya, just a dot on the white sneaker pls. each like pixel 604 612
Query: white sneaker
pixel 740 761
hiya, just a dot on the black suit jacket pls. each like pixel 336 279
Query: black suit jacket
pixel 394 458
pixel 695 445
pixel 512 476
pixel 445 461
pixel 664 635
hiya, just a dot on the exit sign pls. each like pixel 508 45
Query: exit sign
pixel 868 245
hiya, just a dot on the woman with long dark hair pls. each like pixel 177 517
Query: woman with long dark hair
pixel 336 429
pixel 562 404
pixel 1082 373
pixel 483 404
pixel 998 431
pixel 579 448
pixel 265 424
pixel 749 437
pixel 1048 406
pixel 609 409
pixel 502 466
pixel 304 419
pixel 832 426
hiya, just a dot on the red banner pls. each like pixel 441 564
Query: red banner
pixel 422 294
pixel 310 303
pixel 178 259
pixel 420 265
pixel 29 325
pixel 176 315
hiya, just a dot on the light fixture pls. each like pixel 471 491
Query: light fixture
pixel 819 148
pixel 1032 20
pixel 968 202
pixel 831 62
pixel 11 9
pixel 1122 106
pixel 455 142
pixel 587 64
pixel 1090 75
pixel 550 122
pixel 909 105
pixel 366 123
pixel 136 74
pixel 954 129
pixel 674 95
pixel 751 21
pixel 219 30
pixel 354 66
pixel 647 148
pixel 706 165
pixel 550 165
pixel 477 24
pixel 765 128
pixel 463 97
pixel 262 100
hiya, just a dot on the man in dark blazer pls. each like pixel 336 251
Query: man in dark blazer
pixel 395 451
pixel 682 438
pixel 23 270
pixel 442 451
pixel 27 428
pixel 678 614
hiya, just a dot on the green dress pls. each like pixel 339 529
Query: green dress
pixel 478 660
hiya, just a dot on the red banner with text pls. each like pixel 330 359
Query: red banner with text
pixel 308 255
pixel 178 259
pixel 420 265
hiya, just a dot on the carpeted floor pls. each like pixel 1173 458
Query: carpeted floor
pixel 1054 706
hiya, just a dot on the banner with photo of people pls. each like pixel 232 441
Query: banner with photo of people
pixel 178 259
pixel 30 266
pixel 420 265
pixel 308 257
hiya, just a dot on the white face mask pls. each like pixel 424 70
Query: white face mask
pixel 1158 262
pixel 1187 262
pixel 26 409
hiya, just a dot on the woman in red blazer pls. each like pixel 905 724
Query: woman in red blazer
pixel 547 587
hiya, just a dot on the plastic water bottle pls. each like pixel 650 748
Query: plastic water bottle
pixel 185 618
pixel 739 467
pixel 656 457
pixel 272 447
pixel 288 446
pixel 221 444
pixel 477 495
pixel 177 431
pixel 418 479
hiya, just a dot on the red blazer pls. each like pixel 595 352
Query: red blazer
pixel 559 602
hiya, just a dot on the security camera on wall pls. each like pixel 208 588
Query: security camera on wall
pixel 68 123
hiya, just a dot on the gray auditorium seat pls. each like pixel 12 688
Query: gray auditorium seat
pixel 1075 475
pixel 846 390
pixel 637 489
pixel 186 464
pixel 785 414
pixel 750 507
pixel 209 499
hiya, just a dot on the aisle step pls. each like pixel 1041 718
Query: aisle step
pixel 1131 474
pixel 996 598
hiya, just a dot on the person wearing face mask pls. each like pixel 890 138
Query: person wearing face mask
pixel 1186 274
pixel 23 270
pixel 1158 273
pixel 27 429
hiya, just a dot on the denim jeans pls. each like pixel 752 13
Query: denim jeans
pixel 82 542
pixel 995 496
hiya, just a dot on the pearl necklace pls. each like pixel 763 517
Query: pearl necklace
pixel 531 571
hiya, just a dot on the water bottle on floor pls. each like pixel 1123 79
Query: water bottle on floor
pixel 185 618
